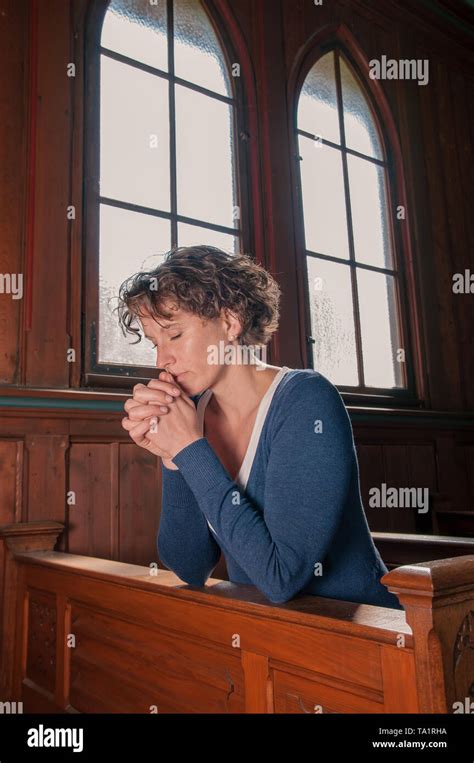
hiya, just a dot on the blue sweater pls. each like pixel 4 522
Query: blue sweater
pixel 299 527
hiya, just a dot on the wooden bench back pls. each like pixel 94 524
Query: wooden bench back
pixel 82 634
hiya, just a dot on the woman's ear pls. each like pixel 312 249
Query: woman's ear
pixel 232 325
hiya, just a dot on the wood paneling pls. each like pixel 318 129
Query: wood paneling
pixel 117 486
pixel 13 176
pixel 11 480
pixel 423 457
pixel 46 357
pixel 46 478
pixel 140 502
pixel 92 519
pixel 172 675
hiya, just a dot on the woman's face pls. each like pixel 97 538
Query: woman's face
pixel 182 345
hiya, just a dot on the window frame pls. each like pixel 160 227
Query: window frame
pixel 412 394
pixel 103 375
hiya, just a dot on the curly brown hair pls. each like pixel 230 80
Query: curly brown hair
pixel 203 280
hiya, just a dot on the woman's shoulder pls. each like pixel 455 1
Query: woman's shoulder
pixel 306 384
pixel 307 396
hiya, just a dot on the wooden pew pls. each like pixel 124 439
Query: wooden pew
pixel 397 549
pixel 81 634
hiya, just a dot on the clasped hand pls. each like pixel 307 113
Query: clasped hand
pixel 175 416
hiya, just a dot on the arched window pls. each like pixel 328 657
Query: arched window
pixel 162 157
pixel 353 283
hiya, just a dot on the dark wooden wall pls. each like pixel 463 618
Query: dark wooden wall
pixel 57 436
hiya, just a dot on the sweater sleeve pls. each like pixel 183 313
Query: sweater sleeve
pixel 307 482
pixel 184 542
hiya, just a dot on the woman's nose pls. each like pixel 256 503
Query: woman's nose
pixel 163 358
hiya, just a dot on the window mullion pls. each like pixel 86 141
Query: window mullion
pixel 352 265
pixel 172 125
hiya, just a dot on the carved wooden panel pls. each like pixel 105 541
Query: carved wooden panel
pixel 41 654
pixel 463 658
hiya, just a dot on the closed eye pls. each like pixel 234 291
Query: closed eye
pixel 173 337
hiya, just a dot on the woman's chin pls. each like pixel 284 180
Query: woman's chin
pixel 186 386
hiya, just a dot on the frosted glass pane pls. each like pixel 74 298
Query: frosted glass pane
pixel 317 108
pixel 137 30
pixel 193 235
pixel 379 326
pixel 324 205
pixel 134 136
pixel 129 243
pixel 198 55
pixel 205 172
pixel 332 321
pixel 359 125
pixel 369 213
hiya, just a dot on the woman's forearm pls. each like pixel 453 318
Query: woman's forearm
pixel 184 542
